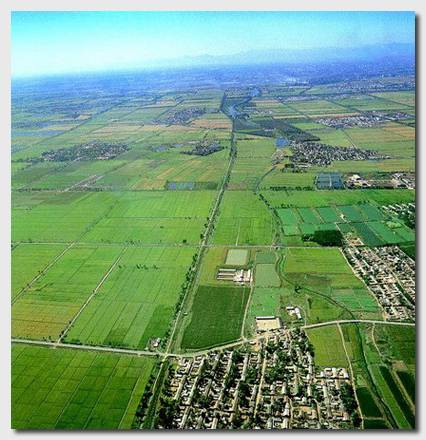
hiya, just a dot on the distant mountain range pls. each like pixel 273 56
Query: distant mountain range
pixel 372 53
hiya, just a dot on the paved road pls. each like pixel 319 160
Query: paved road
pixel 203 244
pixel 85 347
pixel 195 353
pixel 359 321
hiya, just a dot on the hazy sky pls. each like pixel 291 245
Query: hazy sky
pixel 54 42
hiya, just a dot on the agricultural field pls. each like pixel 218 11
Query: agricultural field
pixel 155 224
pixel 327 342
pixel 74 389
pixel 244 219
pixel 379 355
pixel 29 261
pixel 136 302
pixel 325 273
pixel 45 308
pixel 364 220
pixel 217 317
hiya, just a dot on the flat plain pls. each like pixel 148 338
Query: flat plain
pixel 123 251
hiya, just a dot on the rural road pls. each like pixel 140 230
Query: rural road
pixel 195 353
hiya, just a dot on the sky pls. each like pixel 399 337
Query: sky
pixel 69 42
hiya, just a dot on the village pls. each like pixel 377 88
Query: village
pixel 95 150
pixel 182 116
pixel 365 120
pixel 404 211
pixel 271 383
pixel 315 153
pixel 390 275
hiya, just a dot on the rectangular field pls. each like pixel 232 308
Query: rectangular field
pixel 137 300
pixel 45 309
pixel 28 261
pixel 236 257
pixel 243 219
pixel 75 389
pixel 216 316
pixel 328 347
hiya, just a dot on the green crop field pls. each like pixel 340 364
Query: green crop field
pixel 288 216
pixel 266 276
pixel 28 262
pixel 317 260
pixel 57 217
pixel 243 219
pixel 236 257
pixel 44 309
pixel 326 198
pixel 130 192
pixel 74 389
pixel 138 299
pixel 328 347
pixel 217 317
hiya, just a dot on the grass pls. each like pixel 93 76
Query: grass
pixel 266 276
pixel 289 180
pixel 309 215
pixel 57 217
pixel 243 219
pixel 154 217
pixel 288 216
pixel 213 259
pixel 328 347
pixel 236 257
pixel 216 317
pixel 367 403
pixel 409 249
pixel 248 172
pixel 265 257
pixel 137 301
pixel 28 261
pixel 329 214
pixel 45 309
pixel 315 260
pixel 75 389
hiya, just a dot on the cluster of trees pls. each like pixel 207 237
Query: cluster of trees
pixel 326 238
pixel 204 149
pixel 350 404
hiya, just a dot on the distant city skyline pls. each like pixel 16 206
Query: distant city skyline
pixel 70 42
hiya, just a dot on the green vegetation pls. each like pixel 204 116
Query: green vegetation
pixel 236 257
pixel 118 235
pixel 328 238
pixel 266 276
pixel 243 219
pixel 45 309
pixel 74 389
pixel 28 262
pixel 217 316
pixel 136 302
pixel 328 346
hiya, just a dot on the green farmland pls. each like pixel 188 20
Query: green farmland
pixel 216 318
pixel 160 224
pixel 73 389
